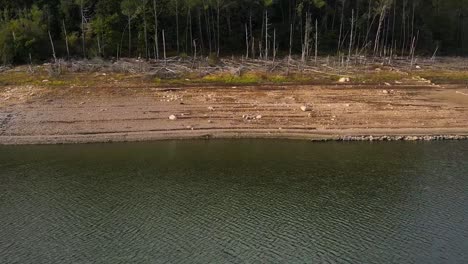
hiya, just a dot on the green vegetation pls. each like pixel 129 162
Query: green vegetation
pixel 32 30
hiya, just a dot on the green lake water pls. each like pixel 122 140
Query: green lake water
pixel 235 201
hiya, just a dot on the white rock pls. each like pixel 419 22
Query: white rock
pixel 304 108
pixel 418 67
pixel 343 80
pixel 211 108
pixel 258 117
pixel 385 92
pixel 388 84
pixel 172 117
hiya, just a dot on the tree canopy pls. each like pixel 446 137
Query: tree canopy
pixel 253 28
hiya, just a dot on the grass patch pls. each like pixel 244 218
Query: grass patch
pixel 450 77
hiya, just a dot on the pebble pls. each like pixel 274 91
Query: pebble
pixel 172 117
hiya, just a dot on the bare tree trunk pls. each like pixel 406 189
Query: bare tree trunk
pixel 98 38
pixel 66 38
pixel 252 42
pixel 266 35
pixel 341 25
pixel 129 36
pixel 351 37
pixel 164 46
pixel 145 32
pixel 200 32
pixel 177 24
pixel 274 45
pixel 379 29
pixel 156 42
pixel 83 37
pixel 290 40
pixel 246 42
pixel 53 47
pixel 217 22
pixel 306 43
pixel 316 40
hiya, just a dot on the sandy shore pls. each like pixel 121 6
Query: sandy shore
pixel 410 111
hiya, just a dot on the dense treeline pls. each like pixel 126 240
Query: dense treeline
pixel 34 30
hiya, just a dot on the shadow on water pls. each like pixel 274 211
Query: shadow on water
pixel 235 201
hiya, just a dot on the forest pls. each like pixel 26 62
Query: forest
pixel 41 30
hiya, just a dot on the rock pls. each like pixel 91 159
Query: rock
pixel 304 108
pixel 82 103
pixel 385 92
pixel 387 84
pixel 209 121
pixel 418 67
pixel 343 80
pixel 211 108
pixel 258 117
pixel 378 69
pixel 44 81
pixel 172 117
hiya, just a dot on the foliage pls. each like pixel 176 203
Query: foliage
pixel 109 28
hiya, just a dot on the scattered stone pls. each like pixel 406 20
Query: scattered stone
pixel 82 103
pixel 172 117
pixel 378 69
pixel 258 117
pixel 385 92
pixel 210 121
pixel 304 108
pixel 347 105
pixel 387 84
pixel 44 81
pixel 398 82
pixel 211 108
pixel 418 67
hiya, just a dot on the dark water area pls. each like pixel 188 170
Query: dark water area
pixel 235 201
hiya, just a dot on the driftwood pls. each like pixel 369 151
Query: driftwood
pixel 174 67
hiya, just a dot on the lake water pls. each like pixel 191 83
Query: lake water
pixel 239 201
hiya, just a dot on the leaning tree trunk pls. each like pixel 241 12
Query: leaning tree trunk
pixel 379 29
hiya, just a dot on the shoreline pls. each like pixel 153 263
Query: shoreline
pixel 307 135
pixel 381 105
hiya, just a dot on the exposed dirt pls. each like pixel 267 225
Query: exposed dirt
pixel 30 114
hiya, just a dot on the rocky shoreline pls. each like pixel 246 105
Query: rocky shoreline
pixel 403 138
